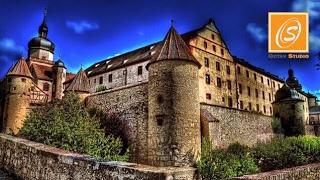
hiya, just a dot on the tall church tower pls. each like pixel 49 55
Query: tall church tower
pixel 41 48
pixel 173 102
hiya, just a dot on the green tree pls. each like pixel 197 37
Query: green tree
pixel 67 124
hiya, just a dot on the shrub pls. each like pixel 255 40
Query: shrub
pixel 101 88
pixel 289 152
pixel 276 126
pixel 223 164
pixel 66 124
pixel 113 124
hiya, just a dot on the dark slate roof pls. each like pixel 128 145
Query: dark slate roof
pixel 80 82
pixel 20 69
pixel 260 70
pixel 173 47
pixel 146 53
pixel 314 110
pixel 286 93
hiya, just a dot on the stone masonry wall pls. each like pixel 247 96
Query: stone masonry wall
pixel 307 172
pixel 232 125
pixel 132 103
pixel 28 160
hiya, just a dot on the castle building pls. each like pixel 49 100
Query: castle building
pixel 171 93
pixel 224 79
pixel 33 81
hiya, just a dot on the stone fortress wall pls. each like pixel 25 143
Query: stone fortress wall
pixel 132 102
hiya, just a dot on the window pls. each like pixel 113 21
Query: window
pixel 205 45
pixel 206 62
pixel 239 70
pixel 228 70
pixel 217 66
pixel 263 97
pixel 261 79
pixel 255 76
pixel 269 97
pixel 101 80
pixel 240 88
pixel 249 91
pixel 229 101
pixel 45 86
pixel 292 107
pixel 218 82
pixel 270 110
pixel 268 82
pixel 214 48
pixel 241 104
pixel 264 109
pixel 207 78
pixel 208 96
pixel 159 119
pixel 212 36
pixel 110 78
pixel 95 80
pixel 278 86
pixel 250 106
pixel 247 73
pixel 222 52
pixel 139 70
pixel 223 99
pixel 124 72
pixel 257 107
pixel 274 84
pixel 229 84
pixel 23 79
pixel 257 93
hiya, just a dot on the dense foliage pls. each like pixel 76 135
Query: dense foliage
pixel 101 88
pixel 223 164
pixel 113 124
pixel 238 160
pixel 67 124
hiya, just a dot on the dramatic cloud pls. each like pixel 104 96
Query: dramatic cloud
pixel 9 46
pixel 81 26
pixel 311 6
pixel 256 32
pixel 9 53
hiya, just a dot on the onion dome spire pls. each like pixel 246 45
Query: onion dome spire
pixel 43 28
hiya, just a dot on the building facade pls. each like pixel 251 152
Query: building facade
pixel 172 92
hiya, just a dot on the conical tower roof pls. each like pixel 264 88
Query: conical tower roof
pixel 20 69
pixel 80 82
pixel 173 47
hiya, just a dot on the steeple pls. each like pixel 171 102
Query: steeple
pixel 80 82
pixel 173 48
pixel 20 69
pixel 43 28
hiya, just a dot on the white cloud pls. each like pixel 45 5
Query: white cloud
pixel 80 27
pixel 311 6
pixel 257 32
pixel 9 46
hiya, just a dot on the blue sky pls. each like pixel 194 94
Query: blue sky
pixel 86 31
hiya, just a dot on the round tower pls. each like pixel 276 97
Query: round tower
pixel 79 85
pixel 289 107
pixel 173 104
pixel 17 100
pixel 59 78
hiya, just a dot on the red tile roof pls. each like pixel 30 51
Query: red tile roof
pixel 20 69
pixel 42 72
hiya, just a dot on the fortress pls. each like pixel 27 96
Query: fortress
pixel 171 93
